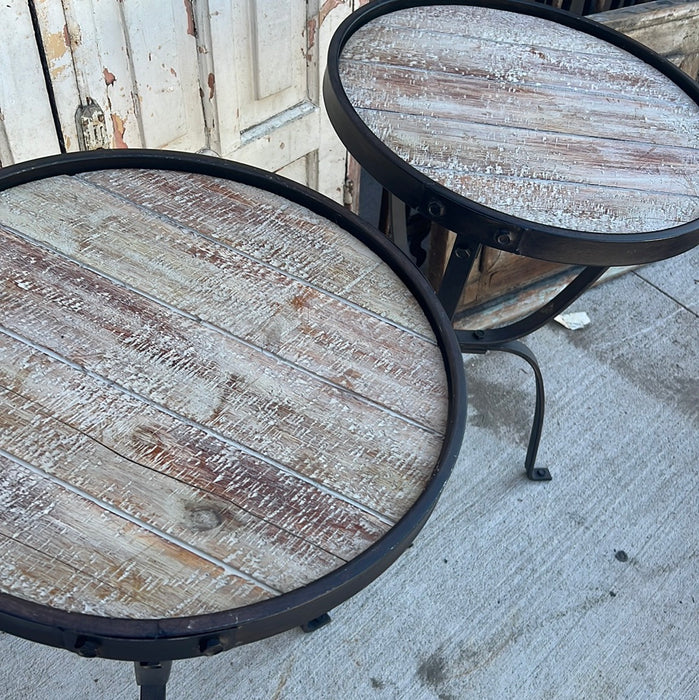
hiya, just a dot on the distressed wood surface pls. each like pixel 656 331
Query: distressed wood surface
pixel 208 395
pixel 528 117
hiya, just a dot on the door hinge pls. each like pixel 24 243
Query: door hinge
pixel 348 193
pixel 92 130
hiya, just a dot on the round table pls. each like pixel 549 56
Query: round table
pixel 528 129
pixel 525 129
pixel 227 405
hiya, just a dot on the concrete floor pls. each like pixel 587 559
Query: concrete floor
pixel 584 587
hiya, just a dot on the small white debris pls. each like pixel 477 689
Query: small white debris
pixel 573 321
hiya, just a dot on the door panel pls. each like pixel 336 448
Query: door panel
pixel 270 33
pixel 240 78
pixel 268 58
pixel 164 77
pixel 26 123
pixel 269 40
pixel 263 111
pixel 135 61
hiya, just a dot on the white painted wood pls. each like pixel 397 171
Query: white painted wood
pixel 162 50
pixel 255 52
pixel 5 147
pixel 281 140
pixel 266 109
pixel 333 157
pixel 56 43
pixel 304 170
pixel 26 124
pixel 138 63
pixel 241 79
pixel 266 106
pixel 217 100
pixel 273 62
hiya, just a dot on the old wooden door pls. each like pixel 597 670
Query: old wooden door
pixel 27 128
pixel 240 78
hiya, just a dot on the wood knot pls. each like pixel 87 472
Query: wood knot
pixel 201 518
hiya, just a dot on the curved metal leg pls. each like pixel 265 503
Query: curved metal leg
pixel 504 339
pixel 515 347
pixel 152 677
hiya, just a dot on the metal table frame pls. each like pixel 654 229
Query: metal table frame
pixel 476 225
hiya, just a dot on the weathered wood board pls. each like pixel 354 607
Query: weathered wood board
pixel 669 27
pixel 209 395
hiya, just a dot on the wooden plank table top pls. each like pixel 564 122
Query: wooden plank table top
pixel 527 116
pixel 210 395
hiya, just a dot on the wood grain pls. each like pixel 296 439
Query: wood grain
pixel 210 378
pixel 187 453
pixel 215 398
pixel 272 230
pixel 250 299
pixel 557 70
pixel 532 106
pixel 109 565
pixel 187 512
pixel 528 117
pixel 503 287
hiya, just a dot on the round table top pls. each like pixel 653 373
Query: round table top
pixel 212 394
pixel 523 118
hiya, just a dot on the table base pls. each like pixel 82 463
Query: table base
pixel 462 258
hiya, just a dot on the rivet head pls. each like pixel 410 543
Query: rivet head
pixel 504 238
pixel 435 208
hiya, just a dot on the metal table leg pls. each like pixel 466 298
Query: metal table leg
pixel 152 677
pixel 505 339
pixel 515 347
pixel 464 254
pixel 316 623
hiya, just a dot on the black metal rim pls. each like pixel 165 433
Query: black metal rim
pixel 489 226
pixel 138 639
